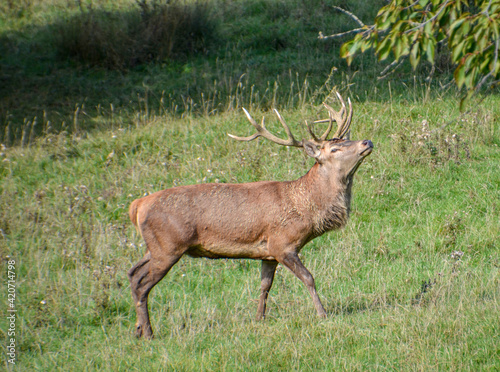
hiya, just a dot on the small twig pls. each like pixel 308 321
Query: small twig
pixel 431 73
pixel 386 71
pixel 447 85
pixel 358 21
pixel 356 30
pixel 411 5
pixel 494 82
pixel 489 74
pixel 420 25
pixel 486 12
pixel 323 37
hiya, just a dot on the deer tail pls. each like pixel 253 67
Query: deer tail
pixel 132 212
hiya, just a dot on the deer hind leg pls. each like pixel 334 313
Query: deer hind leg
pixel 267 276
pixel 292 262
pixel 143 277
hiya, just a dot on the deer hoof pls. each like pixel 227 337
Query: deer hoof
pixel 138 331
pixel 143 331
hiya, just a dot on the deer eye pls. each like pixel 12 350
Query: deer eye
pixel 333 150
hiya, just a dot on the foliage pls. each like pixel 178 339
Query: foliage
pixel 470 30
pixel 60 59
pixel 152 31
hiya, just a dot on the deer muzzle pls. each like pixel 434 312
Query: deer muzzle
pixel 367 147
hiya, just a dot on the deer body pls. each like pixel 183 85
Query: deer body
pixel 241 220
pixel 268 220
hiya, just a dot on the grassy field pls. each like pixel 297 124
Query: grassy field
pixel 412 282
pixel 399 292
pixel 63 64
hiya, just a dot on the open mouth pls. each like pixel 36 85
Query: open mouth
pixel 366 151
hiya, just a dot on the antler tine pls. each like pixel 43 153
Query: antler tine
pixel 309 129
pixel 343 123
pixel 291 138
pixel 347 125
pixel 339 117
pixel 263 132
pixel 254 123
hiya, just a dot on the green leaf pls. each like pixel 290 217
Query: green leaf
pixel 354 47
pixel 428 29
pixel 366 44
pixel 470 61
pixel 444 17
pixel 458 51
pixel 415 55
pixel 349 49
pixel 466 26
pixel 344 49
pixel 484 67
pixel 453 14
pixel 454 29
pixel 456 24
pixel 383 21
pixel 470 78
pixel 441 36
pixel 406 45
pixel 384 25
pixel 394 15
pixel 495 8
pixel 495 27
pixel 431 46
pixel 398 47
pixel 459 75
pixel 383 12
pixel 463 101
pixel 481 35
pixel 384 48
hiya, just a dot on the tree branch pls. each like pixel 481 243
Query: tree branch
pixel 356 30
pixel 420 25
pixel 489 74
pixel 358 21
pixel 353 31
pixel 394 66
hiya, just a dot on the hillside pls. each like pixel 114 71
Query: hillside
pixel 412 282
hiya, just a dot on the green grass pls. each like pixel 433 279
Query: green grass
pixel 396 298
pixel 397 294
pixel 57 58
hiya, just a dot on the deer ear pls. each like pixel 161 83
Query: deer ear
pixel 312 149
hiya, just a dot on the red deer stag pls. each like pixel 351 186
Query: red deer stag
pixel 268 220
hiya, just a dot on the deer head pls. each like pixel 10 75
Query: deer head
pixel 337 154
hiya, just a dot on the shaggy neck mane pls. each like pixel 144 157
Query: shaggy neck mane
pixel 331 210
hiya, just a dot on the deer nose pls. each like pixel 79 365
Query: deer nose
pixel 367 143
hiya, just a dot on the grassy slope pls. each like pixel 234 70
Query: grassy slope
pixel 416 201
pixel 257 52
pixel 419 197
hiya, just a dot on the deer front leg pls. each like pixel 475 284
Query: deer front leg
pixel 292 262
pixel 266 281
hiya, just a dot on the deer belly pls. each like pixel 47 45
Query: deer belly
pixel 231 249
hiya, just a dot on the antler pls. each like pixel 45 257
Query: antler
pixel 343 122
pixel 343 125
pixel 263 132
